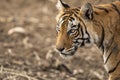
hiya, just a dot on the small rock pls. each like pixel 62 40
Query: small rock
pixel 17 30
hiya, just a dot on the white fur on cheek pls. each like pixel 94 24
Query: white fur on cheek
pixel 75 22
pixel 69 26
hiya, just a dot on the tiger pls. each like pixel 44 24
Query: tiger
pixel 89 25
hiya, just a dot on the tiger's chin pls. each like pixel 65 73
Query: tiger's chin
pixel 68 53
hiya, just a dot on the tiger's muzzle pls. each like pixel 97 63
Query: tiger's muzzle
pixel 68 52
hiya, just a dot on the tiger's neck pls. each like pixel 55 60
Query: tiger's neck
pixel 106 25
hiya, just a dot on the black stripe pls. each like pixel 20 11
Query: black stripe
pixel 65 5
pixel 77 33
pixel 102 38
pixel 79 24
pixel 83 43
pixel 67 13
pixel 102 8
pixel 63 18
pixel 64 14
pixel 87 32
pixel 96 13
pixel 114 68
pixel 82 32
pixel 100 44
pixel 102 48
pixel 76 15
pixel 115 8
pixel 108 57
pixel 71 19
pixel 81 29
pixel 75 11
pixel 85 27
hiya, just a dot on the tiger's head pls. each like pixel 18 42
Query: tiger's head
pixel 72 28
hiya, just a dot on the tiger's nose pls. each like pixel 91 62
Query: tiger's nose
pixel 60 49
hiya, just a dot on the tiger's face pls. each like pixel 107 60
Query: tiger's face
pixel 71 31
pixel 67 34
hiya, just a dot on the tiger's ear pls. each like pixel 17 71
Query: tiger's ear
pixel 87 11
pixel 61 5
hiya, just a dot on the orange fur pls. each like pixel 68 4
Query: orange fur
pixel 104 29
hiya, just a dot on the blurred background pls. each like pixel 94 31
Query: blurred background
pixel 27 44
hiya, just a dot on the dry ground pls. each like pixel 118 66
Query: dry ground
pixel 27 44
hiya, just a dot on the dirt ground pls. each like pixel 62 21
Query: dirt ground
pixel 27 44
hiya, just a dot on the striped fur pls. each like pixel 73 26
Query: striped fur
pixel 88 25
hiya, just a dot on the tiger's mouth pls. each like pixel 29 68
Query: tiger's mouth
pixel 69 52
